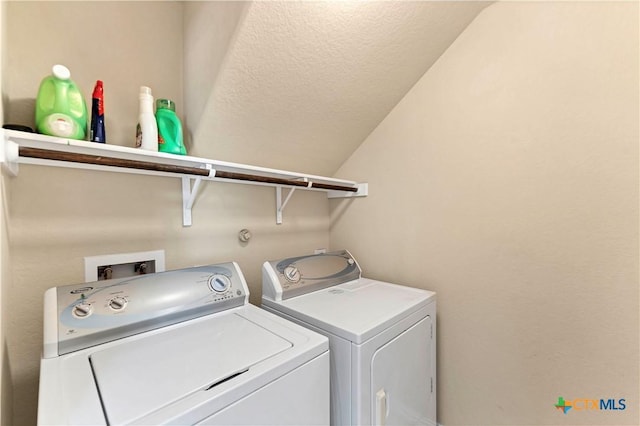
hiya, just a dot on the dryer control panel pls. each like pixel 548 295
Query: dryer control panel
pixel 84 315
pixel 294 276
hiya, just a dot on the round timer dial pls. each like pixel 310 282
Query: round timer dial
pixel 219 283
pixel 117 303
pixel 82 310
pixel 292 274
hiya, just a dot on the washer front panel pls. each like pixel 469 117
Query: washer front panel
pixel 169 372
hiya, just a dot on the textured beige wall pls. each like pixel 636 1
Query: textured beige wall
pixel 59 216
pixel 507 181
pixel 3 55
pixel 6 392
pixel 209 30
pixel 309 80
pixel 6 383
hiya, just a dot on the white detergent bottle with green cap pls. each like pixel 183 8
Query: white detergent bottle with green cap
pixel 60 107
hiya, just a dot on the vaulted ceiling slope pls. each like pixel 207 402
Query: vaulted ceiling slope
pixel 299 85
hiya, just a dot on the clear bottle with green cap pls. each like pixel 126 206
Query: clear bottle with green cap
pixel 60 107
pixel 169 128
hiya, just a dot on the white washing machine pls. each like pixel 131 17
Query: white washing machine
pixel 178 347
pixel 382 336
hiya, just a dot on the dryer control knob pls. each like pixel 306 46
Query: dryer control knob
pixel 82 310
pixel 117 303
pixel 219 283
pixel 292 274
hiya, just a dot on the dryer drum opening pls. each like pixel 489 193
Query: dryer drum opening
pixel 226 379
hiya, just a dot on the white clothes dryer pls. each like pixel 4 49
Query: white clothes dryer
pixel 178 347
pixel 382 336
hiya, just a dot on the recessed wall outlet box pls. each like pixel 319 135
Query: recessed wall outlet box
pixel 122 265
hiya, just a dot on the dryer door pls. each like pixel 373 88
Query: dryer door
pixel 401 379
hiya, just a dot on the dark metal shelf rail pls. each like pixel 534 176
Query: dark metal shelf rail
pixel 46 154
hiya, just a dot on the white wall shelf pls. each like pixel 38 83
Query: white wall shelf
pixel 30 148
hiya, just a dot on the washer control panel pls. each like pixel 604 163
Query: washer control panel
pixel 93 313
pixel 294 276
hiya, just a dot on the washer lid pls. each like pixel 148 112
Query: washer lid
pixel 357 310
pixel 139 377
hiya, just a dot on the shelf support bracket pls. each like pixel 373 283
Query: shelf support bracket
pixel 281 204
pixel 9 157
pixel 190 193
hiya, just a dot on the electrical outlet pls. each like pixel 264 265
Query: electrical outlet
pixel 98 268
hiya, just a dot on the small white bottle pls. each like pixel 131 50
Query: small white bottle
pixel 147 129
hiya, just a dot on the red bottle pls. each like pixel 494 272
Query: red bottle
pixel 97 114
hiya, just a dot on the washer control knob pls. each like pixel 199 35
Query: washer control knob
pixel 292 274
pixel 82 310
pixel 117 303
pixel 219 283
